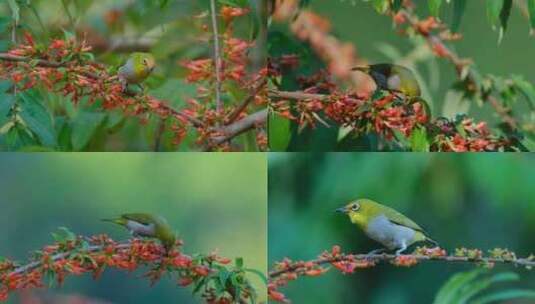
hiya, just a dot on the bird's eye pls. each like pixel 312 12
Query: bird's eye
pixel 145 62
pixel 355 207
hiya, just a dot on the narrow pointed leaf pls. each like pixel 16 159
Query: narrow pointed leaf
pixel 434 7
pixel 493 11
pixel 504 17
pixel 459 7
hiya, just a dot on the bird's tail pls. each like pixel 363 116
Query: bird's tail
pixel 118 221
pixel 430 240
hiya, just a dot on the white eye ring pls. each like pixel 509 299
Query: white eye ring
pixel 145 62
pixel 355 207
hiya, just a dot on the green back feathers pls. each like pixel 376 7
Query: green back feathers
pixel 162 229
pixel 384 75
pixel 368 209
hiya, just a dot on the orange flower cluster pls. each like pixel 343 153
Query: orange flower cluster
pixel 385 114
pixel 92 255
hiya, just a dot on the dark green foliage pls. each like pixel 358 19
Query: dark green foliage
pixel 477 287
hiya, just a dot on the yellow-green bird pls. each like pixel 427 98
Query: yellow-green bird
pixel 385 225
pixel 147 225
pixel 392 77
pixel 136 69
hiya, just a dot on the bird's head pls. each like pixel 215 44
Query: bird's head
pixel 148 61
pixel 143 61
pixel 359 211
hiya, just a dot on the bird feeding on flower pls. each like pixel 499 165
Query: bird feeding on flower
pixel 393 78
pixel 136 69
pixel 147 225
pixel 385 225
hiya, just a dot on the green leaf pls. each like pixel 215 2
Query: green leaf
pixel 83 127
pixel 37 118
pixel 419 141
pixel 476 286
pixel 505 295
pixel 279 133
pixel 6 103
pixel 531 10
pixel 493 11
pixel 504 17
pixel 223 276
pixel 239 263
pixel 397 5
pixel 63 235
pixel 434 7
pixel 526 88
pixel 449 292
pixel 18 137
pixel 261 275
pixel 381 6
pixel 458 12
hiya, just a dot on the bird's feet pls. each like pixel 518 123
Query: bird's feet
pixel 399 251
pixel 376 251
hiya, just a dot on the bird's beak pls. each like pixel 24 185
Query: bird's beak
pixel 341 210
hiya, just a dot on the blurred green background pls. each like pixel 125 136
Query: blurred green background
pixel 376 40
pixel 214 201
pixel 467 200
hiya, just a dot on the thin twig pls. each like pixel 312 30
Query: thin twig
pixel 236 113
pixel 391 257
pixel 160 128
pixel 459 63
pixel 217 57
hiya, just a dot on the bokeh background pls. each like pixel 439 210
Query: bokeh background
pixel 469 200
pixel 356 22
pixel 214 201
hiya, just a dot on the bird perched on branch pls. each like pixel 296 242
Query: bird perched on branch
pixel 392 77
pixel 385 225
pixel 136 69
pixel 147 225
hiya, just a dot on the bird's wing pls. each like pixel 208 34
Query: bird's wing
pixel 141 218
pixel 400 219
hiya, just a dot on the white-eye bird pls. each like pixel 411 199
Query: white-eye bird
pixel 385 225
pixel 136 69
pixel 147 225
pixel 392 77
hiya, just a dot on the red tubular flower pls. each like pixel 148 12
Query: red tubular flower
pixel 228 13
pixel 277 296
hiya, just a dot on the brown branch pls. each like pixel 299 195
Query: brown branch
pixel 60 256
pixel 52 64
pixel 297 95
pixel 238 127
pixel 236 113
pixel 38 62
pixel 527 262
pixel 217 57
